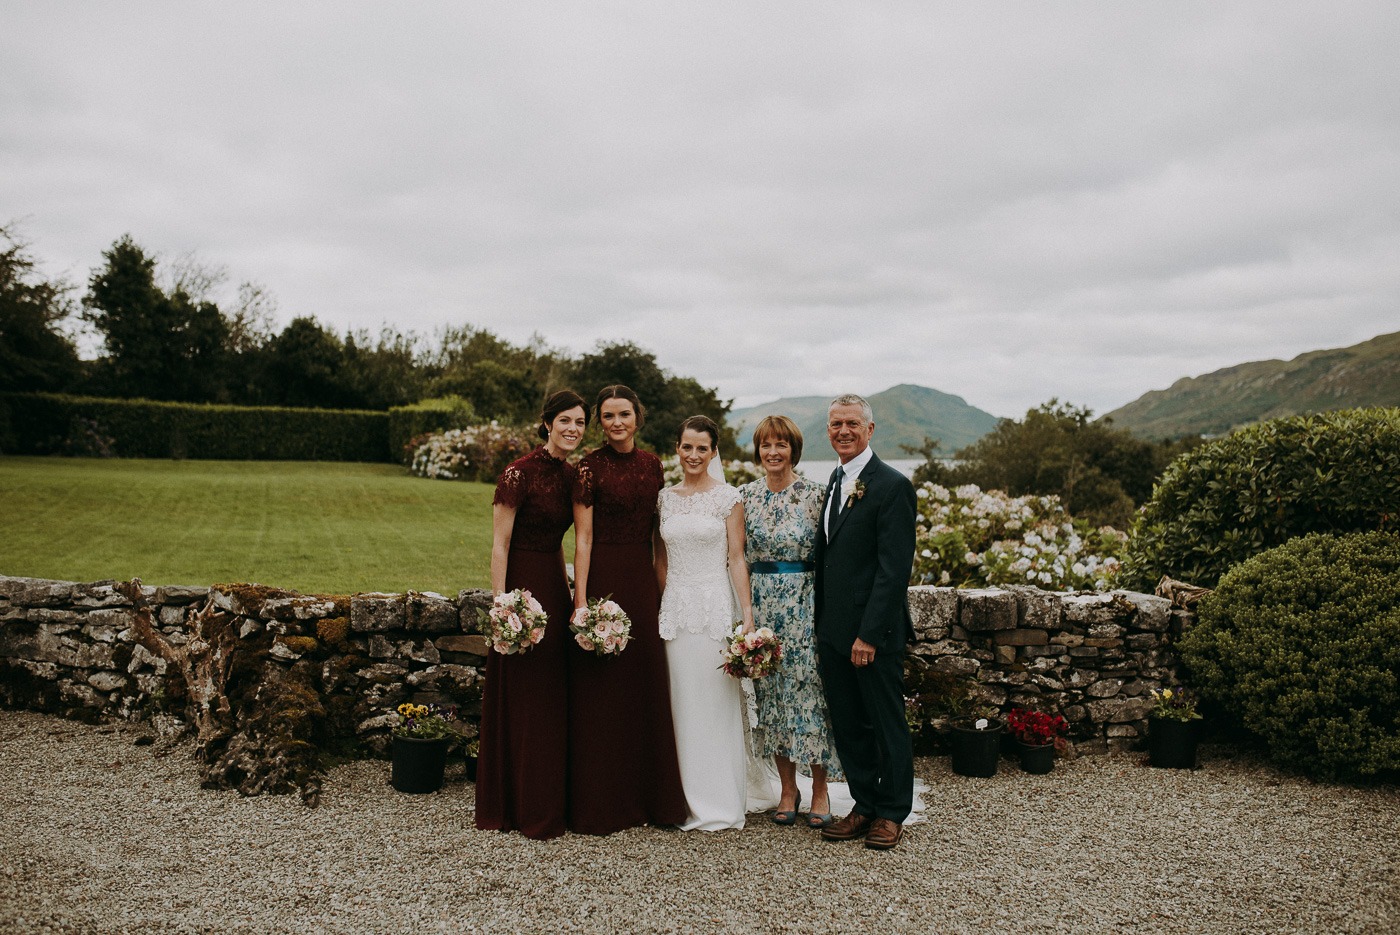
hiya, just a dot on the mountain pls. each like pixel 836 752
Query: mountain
pixel 1366 374
pixel 904 414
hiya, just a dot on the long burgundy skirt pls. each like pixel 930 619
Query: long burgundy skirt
pixel 523 752
pixel 623 770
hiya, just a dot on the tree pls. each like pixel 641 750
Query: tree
pixel 1099 472
pixel 159 346
pixel 669 400
pixel 34 354
pixel 303 366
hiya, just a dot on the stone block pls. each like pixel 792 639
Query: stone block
pixel 1101 642
pixel 1020 638
pixel 1037 608
pixel 105 594
pixel 428 612
pixel 288 607
pixel 1181 622
pixel 107 682
pixel 940 648
pixel 36 592
pixel 473 643
pixel 1069 639
pixel 956 632
pixel 471 604
pixel 1106 631
pixel 1005 655
pixel 1104 688
pixel 1084 652
pixel 981 610
pixel 1075 712
pixel 1080 678
pixel 249 627
pixel 376 612
pixel 1152 611
pixel 180 594
pixel 1121 730
pixel 172 615
pixel 958 665
pixel 446 677
pixel 383 673
pixel 55 621
pixel 1089 609
pixel 1118 710
pixel 932 609
pixel 81 694
pixel 1141 642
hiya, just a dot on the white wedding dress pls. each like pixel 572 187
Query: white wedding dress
pixel 697 615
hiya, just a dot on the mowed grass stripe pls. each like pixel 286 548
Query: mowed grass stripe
pixel 318 527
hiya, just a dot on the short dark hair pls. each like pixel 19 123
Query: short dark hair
pixel 780 427
pixel 560 401
pixel 618 391
pixel 700 424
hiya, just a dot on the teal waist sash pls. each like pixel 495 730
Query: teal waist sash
pixel 781 568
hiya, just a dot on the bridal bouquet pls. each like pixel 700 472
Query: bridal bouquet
pixel 515 622
pixel 602 627
pixel 752 655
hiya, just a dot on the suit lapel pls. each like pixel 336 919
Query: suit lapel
pixel 846 510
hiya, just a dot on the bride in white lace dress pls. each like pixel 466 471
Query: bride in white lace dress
pixel 700 567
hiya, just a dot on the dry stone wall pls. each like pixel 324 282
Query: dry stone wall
pixel 69 648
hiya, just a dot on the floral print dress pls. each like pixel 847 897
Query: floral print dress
pixel 781 526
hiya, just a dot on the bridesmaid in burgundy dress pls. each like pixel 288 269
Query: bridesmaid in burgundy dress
pixel 523 756
pixel 623 770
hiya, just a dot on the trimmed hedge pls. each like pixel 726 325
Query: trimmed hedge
pixel 407 423
pixel 44 423
pixel 1302 645
pixel 1236 496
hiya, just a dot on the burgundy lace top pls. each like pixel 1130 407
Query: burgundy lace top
pixel 538 485
pixel 622 490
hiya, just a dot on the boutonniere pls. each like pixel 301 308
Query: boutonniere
pixel 857 492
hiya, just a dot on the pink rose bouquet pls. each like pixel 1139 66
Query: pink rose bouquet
pixel 752 655
pixel 602 627
pixel 515 622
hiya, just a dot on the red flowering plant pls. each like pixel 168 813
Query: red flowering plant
pixel 1036 728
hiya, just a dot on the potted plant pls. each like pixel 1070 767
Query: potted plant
pixel 1038 736
pixel 419 747
pixel 471 749
pixel 975 741
pixel 1172 729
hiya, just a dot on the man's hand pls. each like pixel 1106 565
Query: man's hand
pixel 862 653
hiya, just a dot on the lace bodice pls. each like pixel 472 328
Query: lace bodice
pixel 698 596
pixel 537 485
pixel 622 490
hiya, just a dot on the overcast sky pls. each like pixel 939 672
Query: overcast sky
pixel 1005 201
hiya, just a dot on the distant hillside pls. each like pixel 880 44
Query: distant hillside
pixel 904 414
pixel 1366 374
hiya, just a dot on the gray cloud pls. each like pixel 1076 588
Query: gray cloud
pixel 1006 201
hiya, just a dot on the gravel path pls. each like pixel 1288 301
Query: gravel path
pixel 99 835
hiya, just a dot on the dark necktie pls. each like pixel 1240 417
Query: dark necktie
pixel 836 495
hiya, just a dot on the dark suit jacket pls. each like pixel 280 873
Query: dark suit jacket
pixel 863 570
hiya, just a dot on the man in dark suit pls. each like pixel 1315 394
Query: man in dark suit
pixel 864 560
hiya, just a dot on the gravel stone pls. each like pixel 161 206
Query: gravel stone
pixel 101 835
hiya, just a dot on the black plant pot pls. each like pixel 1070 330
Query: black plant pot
pixel 471 768
pixel 418 764
pixel 1171 744
pixel 1036 758
pixel 975 752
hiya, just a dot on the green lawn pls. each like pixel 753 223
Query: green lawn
pixel 317 527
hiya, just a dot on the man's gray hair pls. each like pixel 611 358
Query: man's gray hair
pixel 851 399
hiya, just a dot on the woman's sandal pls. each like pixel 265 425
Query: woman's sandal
pixel 819 820
pixel 786 817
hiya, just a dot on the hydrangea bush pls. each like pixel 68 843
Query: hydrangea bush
pixel 969 537
pixel 478 453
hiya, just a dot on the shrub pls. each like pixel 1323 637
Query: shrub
pixel 1301 643
pixel 410 424
pixel 139 428
pixel 1237 496
pixel 479 453
pixel 970 537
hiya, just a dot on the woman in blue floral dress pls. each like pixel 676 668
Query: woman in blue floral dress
pixel 781 515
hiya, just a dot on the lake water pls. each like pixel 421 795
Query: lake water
pixel 820 471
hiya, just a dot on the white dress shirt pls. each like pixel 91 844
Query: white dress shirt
pixel 850 474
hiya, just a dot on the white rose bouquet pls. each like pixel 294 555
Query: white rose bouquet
pixel 602 627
